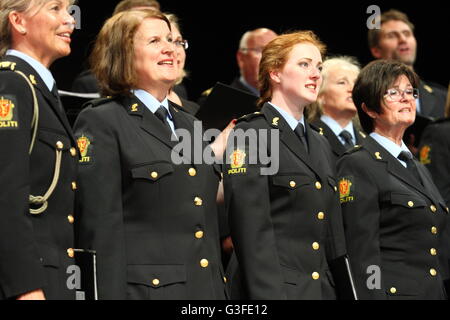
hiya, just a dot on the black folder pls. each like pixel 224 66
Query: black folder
pixel 224 104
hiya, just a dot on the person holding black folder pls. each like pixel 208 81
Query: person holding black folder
pixel 285 219
pixel 395 220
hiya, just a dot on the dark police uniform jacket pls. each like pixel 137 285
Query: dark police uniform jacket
pixel 286 227
pixel 395 227
pixel 434 153
pixel 35 250
pixel 153 223
pixel 337 147
pixel 432 99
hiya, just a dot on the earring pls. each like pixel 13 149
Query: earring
pixel 23 32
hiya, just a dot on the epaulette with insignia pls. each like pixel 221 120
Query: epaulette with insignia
pixel 179 108
pixel 97 102
pixel 206 92
pixel 315 128
pixel 442 120
pixel 354 149
pixel 250 116
pixel 7 65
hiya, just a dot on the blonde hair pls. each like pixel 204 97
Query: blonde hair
pixel 112 59
pixel 315 110
pixel 8 6
pixel 275 55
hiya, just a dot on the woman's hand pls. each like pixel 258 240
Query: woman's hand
pixel 32 295
pixel 220 144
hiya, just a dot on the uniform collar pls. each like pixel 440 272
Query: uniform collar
pixel 292 122
pixel 336 128
pixel 151 102
pixel 390 146
pixel 40 69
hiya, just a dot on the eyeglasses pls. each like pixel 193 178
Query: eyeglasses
pixel 182 43
pixel 255 50
pixel 395 94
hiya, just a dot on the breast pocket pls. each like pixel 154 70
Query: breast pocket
pixel 409 201
pixel 152 172
pixel 156 282
pixel 56 140
pixel 292 182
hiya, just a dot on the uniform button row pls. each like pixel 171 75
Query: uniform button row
pixel 318 185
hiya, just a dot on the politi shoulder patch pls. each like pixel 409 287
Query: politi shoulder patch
pixel 346 189
pixel 85 147
pixel 9 114
pixel 237 162
pixel 424 154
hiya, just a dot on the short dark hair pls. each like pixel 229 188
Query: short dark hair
pixel 372 83
pixel 373 35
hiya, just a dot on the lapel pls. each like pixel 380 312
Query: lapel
pixel 181 121
pixel 292 142
pixel 427 100
pixel 395 168
pixel 39 84
pixel 336 146
pixel 148 121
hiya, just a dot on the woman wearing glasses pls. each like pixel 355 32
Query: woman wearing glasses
pixel 394 216
pixel 151 219
pixel 178 93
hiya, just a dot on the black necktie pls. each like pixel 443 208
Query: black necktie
pixel 162 115
pixel 410 164
pixel 348 141
pixel 300 132
pixel 56 95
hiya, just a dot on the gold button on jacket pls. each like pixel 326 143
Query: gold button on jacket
pixel 204 263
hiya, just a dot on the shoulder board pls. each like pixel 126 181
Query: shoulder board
pixel 354 149
pixel 7 65
pixel 97 102
pixel 206 92
pixel 316 128
pixel 178 107
pixel 250 116
pixel 442 120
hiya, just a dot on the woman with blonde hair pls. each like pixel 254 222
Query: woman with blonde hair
pixel 39 157
pixel 334 112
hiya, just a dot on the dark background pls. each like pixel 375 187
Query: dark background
pixel 214 28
